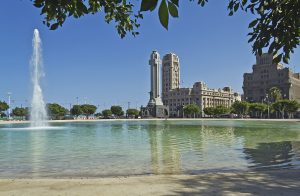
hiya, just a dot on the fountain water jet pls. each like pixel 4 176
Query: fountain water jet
pixel 38 113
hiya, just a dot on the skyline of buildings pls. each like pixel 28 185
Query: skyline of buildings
pixel 265 75
pixel 175 98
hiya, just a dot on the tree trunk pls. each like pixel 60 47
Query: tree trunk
pixel 261 115
pixel 282 114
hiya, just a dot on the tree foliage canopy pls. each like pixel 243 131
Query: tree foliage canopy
pixel 292 106
pixel 121 12
pixel 276 26
pixel 20 111
pixel 117 110
pixel 88 109
pixel 76 110
pixel 191 109
pixel 216 111
pixel 106 113
pixel 257 109
pixel 240 107
pixel 220 109
pixel 285 105
pixel 209 111
pixel 280 106
pixel 56 111
pixel 132 112
pixel 275 94
pixel 3 106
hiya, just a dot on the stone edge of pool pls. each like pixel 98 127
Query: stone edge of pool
pixel 277 182
pixel 154 119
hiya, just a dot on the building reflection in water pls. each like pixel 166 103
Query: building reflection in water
pixel 165 153
pixel 183 148
pixel 271 148
pixel 274 154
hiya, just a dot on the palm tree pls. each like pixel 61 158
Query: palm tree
pixel 275 94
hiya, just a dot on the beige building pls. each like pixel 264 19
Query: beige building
pixel 176 98
pixel 266 75
pixel 170 72
pixel 201 95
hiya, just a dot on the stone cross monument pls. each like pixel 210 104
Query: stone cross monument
pixel 154 63
pixel 155 107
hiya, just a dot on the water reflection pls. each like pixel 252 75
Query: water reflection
pixel 165 154
pixel 193 149
pixel 148 147
pixel 272 155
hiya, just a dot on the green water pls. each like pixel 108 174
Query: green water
pixel 95 149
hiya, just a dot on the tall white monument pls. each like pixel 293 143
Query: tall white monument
pixel 154 62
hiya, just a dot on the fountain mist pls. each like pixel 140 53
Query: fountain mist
pixel 38 114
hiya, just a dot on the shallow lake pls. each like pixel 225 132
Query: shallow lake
pixel 114 148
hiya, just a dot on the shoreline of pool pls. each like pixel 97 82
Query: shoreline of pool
pixel 272 182
pixel 158 119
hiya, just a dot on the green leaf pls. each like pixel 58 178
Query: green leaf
pixel 272 46
pixel 253 23
pixel 54 26
pixel 173 10
pixel 147 5
pixel 252 38
pixel 236 7
pixel 286 59
pixel 164 14
pixel 277 59
pixel 175 2
pixel 38 3
pixel 230 6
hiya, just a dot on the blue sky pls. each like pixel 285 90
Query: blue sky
pixel 87 59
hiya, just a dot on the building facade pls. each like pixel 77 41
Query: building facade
pixel 266 75
pixel 201 95
pixel 170 73
pixel 176 98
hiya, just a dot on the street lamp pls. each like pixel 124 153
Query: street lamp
pixel 77 100
pixel 267 100
pixel 9 94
